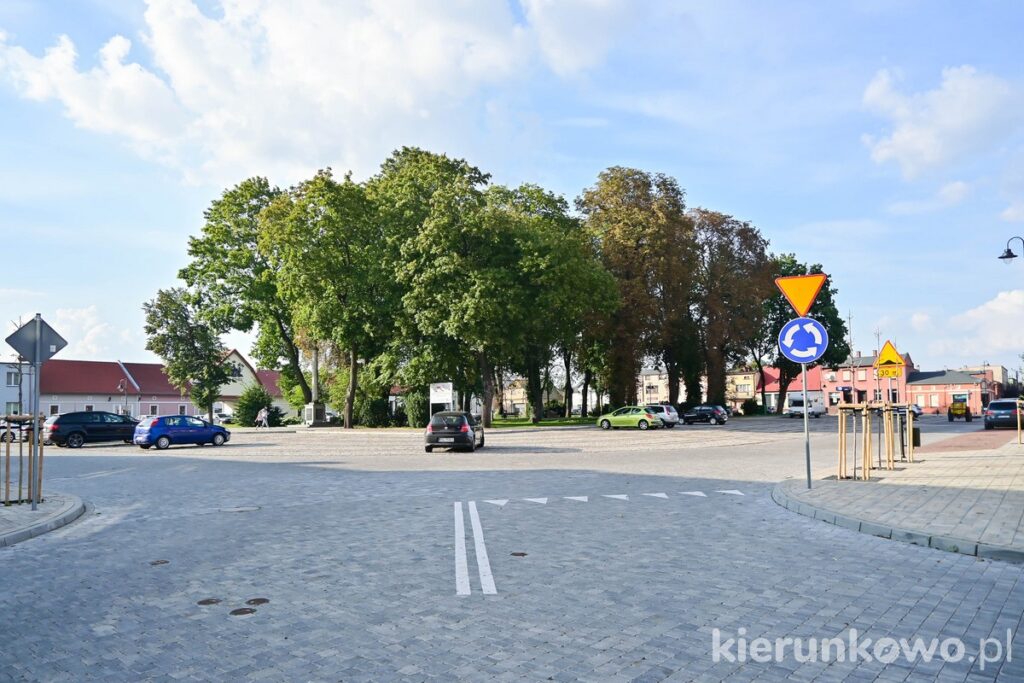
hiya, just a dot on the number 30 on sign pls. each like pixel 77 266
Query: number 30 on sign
pixel 890 371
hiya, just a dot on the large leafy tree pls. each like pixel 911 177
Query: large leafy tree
pixel 732 275
pixel 189 346
pixel 236 283
pixel 328 254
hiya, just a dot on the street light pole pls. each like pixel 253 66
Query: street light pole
pixel 1008 254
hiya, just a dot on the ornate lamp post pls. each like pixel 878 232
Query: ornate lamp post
pixel 1008 254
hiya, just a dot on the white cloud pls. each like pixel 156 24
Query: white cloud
pixel 994 327
pixel 1014 213
pixel 280 88
pixel 947 196
pixel 920 322
pixel 88 337
pixel 969 113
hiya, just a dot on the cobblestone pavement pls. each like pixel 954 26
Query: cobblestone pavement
pixel 353 541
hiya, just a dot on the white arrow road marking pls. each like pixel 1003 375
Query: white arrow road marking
pixel 542 501
pixel 694 493
pixel 461 566
pixel 582 499
pixel 657 495
pixel 482 563
pixel 618 496
pixel 731 492
pixel 500 502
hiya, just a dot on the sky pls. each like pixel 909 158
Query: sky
pixel 883 139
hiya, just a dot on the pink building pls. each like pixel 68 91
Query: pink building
pixel 856 381
pixel 771 388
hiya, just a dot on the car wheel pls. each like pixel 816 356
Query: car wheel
pixel 988 426
pixel 950 416
pixel 472 447
pixel 75 440
pixel 481 442
pixel 163 443
pixel 642 424
pixel 687 422
pixel 605 424
pixel 670 425
pixel 218 439
pixel 713 420
pixel 428 449
pixel 127 440
pixel 969 417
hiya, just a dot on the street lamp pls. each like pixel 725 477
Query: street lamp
pixel 1008 254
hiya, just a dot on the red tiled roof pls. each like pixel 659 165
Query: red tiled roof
pixel 83 377
pixel 152 379
pixel 269 379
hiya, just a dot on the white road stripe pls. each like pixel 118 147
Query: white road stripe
pixel 482 563
pixel 542 501
pixel 731 492
pixel 105 473
pixel 582 499
pixel 461 566
pixel 657 495
pixel 694 493
pixel 617 496
pixel 500 502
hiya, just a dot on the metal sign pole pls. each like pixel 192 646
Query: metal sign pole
pixel 807 425
pixel 35 406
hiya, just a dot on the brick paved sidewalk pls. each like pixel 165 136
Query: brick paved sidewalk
pixel 19 522
pixel 970 502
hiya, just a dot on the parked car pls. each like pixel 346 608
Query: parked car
pixel 164 432
pixel 796 406
pixel 222 418
pixel 74 430
pixel 710 414
pixel 666 413
pixel 1002 413
pixel 454 429
pixel 914 408
pixel 629 416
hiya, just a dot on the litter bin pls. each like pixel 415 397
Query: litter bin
pixel 917 437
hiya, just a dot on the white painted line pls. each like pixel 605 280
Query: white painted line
pixel 105 473
pixel 500 502
pixel 461 566
pixel 657 495
pixel 694 493
pixel 542 501
pixel 482 563
pixel 618 496
pixel 582 499
pixel 731 492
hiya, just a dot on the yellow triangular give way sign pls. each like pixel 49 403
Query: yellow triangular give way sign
pixel 889 356
pixel 801 290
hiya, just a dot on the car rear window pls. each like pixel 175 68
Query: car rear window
pixel 447 421
pixel 1002 405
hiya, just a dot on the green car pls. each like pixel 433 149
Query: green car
pixel 629 416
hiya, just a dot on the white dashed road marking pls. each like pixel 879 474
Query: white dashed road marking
pixel 694 493
pixel 731 492
pixel 582 499
pixel 461 566
pixel 657 495
pixel 617 496
pixel 499 502
pixel 542 501
pixel 482 563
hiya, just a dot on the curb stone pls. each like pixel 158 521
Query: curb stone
pixel 911 536
pixel 69 513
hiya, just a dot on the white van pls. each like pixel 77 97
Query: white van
pixel 795 406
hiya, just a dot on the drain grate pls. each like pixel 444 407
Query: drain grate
pixel 518 554
pixel 242 611
pixel 156 563
pixel 240 508
pixel 208 601
pixel 257 601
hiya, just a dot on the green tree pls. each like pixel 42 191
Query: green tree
pixel 236 283
pixel 331 267
pixel 189 346
pixel 252 400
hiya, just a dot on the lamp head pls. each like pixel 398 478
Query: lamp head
pixel 1007 256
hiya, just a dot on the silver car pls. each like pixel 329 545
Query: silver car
pixel 666 413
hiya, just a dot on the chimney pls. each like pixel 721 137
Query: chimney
pixel 856 354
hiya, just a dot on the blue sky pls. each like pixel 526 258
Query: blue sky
pixel 884 140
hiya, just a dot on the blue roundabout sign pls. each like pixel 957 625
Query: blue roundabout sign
pixel 803 340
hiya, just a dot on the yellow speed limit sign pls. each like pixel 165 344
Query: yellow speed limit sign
pixel 890 371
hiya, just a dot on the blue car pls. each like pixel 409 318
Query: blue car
pixel 162 432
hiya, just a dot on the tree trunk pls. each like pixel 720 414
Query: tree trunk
pixel 293 361
pixel 672 370
pixel 716 376
pixel 784 379
pixel 534 388
pixel 499 382
pixel 761 377
pixel 350 397
pixel 487 374
pixel 567 361
pixel 585 399
pixel 691 381
pixel 209 414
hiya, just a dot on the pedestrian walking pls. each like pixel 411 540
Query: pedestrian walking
pixel 261 418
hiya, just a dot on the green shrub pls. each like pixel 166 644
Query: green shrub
pixel 417 407
pixel 290 421
pixel 371 412
pixel 254 398
pixel 751 407
pixel 400 419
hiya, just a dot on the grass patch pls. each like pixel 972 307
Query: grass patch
pixel 500 423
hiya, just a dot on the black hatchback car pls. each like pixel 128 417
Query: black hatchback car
pixel 453 429
pixel 74 430
pixel 1001 413
pixel 715 415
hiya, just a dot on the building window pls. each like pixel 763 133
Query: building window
pixel 54 409
pixel 878 394
pixel 862 374
pixel 919 399
pixel 935 400
pixel 154 410
pixel 833 398
pixel 13 408
pixel 846 375
pixel 12 378
pixel 181 410
pixel 88 408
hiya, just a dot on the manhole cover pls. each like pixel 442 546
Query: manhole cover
pixel 518 554
pixel 159 562
pixel 257 601
pixel 241 508
pixel 208 601
pixel 242 611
